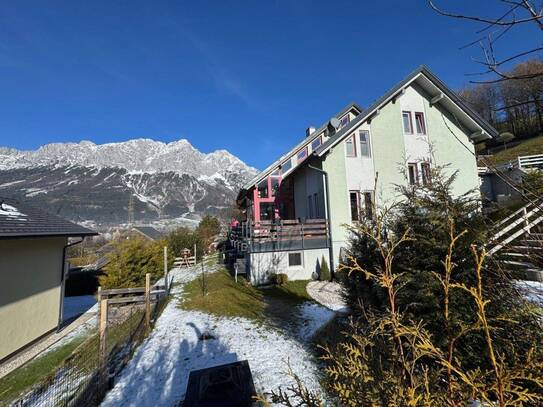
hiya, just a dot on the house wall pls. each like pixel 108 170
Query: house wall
pixel 339 211
pixel 452 148
pixel 389 152
pixel 263 265
pixel 30 271
pixel 306 183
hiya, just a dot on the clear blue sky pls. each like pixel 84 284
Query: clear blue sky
pixel 248 77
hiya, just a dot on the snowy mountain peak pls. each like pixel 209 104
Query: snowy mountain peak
pixel 141 155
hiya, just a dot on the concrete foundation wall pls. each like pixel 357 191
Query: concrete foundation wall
pixel 263 265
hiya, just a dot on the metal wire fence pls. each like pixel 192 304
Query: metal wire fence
pixel 84 377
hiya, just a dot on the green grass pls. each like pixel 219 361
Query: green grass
pixel 529 147
pixel 291 291
pixel 81 352
pixel 16 382
pixel 225 297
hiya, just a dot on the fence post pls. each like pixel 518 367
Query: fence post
pixel 99 299
pixel 103 334
pixel 166 269
pixel 147 301
pixel 195 254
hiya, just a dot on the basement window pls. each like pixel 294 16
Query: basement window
pixel 295 259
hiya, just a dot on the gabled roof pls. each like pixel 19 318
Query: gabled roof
pixel 263 174
pixel 22 220
pixel 149 232
pixel 431 83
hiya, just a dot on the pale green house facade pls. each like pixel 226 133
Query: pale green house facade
pixel 341 169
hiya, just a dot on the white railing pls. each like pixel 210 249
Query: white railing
pixel 516 225
pixel 530 161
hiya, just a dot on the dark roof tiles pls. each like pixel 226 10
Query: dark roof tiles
pixel 22 220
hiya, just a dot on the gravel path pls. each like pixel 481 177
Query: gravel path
pixel 328 294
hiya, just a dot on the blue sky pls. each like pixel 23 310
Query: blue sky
pixel 248 77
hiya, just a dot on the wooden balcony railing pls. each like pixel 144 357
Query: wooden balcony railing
pixel 284 234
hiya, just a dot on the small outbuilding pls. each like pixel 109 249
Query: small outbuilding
pixel 33 247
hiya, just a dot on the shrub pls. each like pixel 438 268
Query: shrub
pixel 280 278
pixel 325 270
pixel 131 260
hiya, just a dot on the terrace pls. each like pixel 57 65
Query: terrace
pixel 280 235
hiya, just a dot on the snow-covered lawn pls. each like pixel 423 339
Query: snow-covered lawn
pixel 158 373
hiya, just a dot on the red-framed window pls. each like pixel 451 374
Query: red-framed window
pixel 350 146
pixel 407 122
pixel 420 125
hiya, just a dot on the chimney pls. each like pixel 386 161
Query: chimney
pixel 309 131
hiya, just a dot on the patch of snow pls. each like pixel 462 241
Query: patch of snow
pixel 314 316
pixel 532 290
pixel 159 370
pixel 7 184
pixel 11 212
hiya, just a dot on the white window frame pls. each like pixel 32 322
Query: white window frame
pixel 410 130
pixel 352 140
pixel 367 143
pixel 423 124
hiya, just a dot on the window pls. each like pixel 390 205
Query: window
pixel 286 166
pixel 295 259
pixel 350 147
pixel 267 211
pixel 355 209
pixel 407 123
pixel 302 154
pixel 310 206
pixel 275 182
pixel 426 174
pixel 364 137
pixel 263 189
pixel 316 143
pixel 316 206
pixel 368 205
pixel 344 121
pixel 412 173
pixel 419 123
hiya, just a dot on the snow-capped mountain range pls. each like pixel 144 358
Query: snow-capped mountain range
pixel 89 182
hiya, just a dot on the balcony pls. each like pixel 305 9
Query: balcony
pixel 268 236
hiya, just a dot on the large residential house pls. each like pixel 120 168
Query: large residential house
pixel 297 208
pixel 33 271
